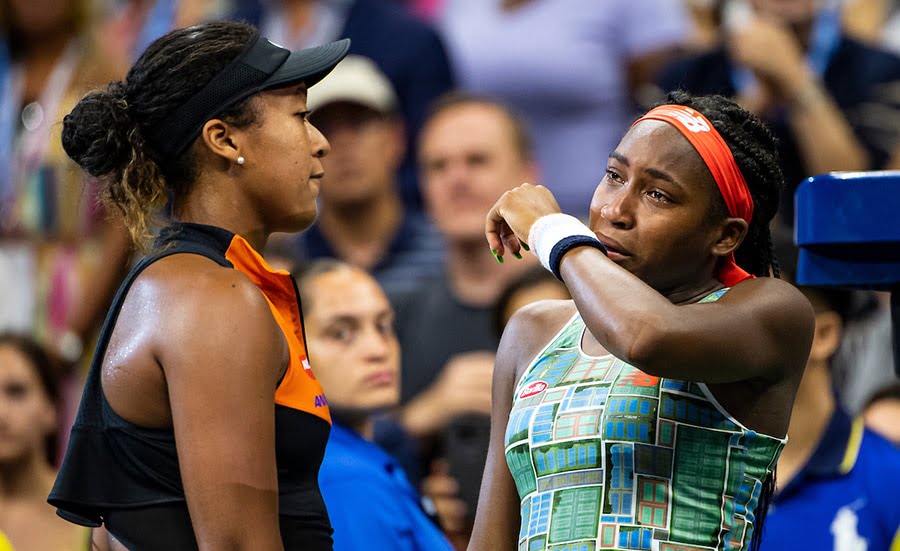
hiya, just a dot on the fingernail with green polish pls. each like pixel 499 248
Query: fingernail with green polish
pixel 517 255
pixel 525 245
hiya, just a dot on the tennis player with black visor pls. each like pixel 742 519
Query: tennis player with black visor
pixel 202 425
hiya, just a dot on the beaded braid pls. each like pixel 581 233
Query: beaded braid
pixel 754 150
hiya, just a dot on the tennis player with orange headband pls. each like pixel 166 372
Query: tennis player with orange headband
pixel 649 411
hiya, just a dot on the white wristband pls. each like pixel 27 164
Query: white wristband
pixel 550 229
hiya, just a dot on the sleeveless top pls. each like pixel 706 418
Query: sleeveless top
pixel 128 477
pixel 606 456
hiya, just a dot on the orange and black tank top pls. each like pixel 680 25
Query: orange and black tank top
pixel 127 477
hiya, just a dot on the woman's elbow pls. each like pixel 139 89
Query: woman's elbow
pixel 647 348
pixel 242 542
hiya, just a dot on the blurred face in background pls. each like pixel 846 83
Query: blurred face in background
pixel 787 12
pixel 468 157
pixel 367 146
pixel 352 346
pixel 27 414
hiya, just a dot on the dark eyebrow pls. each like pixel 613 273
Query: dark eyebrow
pixel 355 318
pixel 619 157
pixel 342 318
pixel 653 172
pixel 660 175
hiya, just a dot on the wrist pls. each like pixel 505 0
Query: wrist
pixel 553 235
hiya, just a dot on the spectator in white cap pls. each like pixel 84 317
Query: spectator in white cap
pixel 362 219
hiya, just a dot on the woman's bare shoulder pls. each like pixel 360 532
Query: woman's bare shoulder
pixel 190 278
pixel 530 330
pixel 193 297
pixel 774 298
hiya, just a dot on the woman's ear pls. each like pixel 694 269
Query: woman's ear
pixel 221 139
pixel 827 337
pixel 730 235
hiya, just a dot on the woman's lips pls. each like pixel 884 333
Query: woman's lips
pixel 381 378
pixel 613 249
pixel 615 255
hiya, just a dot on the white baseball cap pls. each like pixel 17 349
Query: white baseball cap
pixel 356 79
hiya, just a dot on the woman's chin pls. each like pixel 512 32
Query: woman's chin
pixel 299 222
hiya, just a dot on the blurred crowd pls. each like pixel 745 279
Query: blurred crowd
pixel 442 106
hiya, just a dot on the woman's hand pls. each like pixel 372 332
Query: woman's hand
pixel 509 221
pixel 443 490
pixel 774 55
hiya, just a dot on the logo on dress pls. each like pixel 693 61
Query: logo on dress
pixel 306 367
pixel 532 389
pixel 321 401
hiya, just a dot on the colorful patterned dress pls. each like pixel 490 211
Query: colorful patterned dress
pixel 605 456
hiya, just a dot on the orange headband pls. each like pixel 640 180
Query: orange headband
pixel 720 161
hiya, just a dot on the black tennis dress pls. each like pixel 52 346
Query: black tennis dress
pixel 127 477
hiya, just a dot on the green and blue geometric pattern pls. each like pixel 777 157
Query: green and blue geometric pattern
pixel 605 456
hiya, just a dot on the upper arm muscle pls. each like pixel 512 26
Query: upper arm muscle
pixel 221 360
pixel 759 329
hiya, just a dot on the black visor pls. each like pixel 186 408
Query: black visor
pixel 262 65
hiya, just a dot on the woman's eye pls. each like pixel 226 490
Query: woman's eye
pixel 386 328
pixel 658 196
pixel 613 176
pixel 16 391
pixel 342 334
pixel 303 115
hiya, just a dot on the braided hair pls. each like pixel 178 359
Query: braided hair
pixel 754 150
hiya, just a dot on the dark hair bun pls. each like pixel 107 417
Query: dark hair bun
pixel 97 133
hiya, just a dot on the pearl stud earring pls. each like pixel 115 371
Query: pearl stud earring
pixel 240 161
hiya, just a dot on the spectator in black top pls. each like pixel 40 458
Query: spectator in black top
pixel 826 96
pixel 472 151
